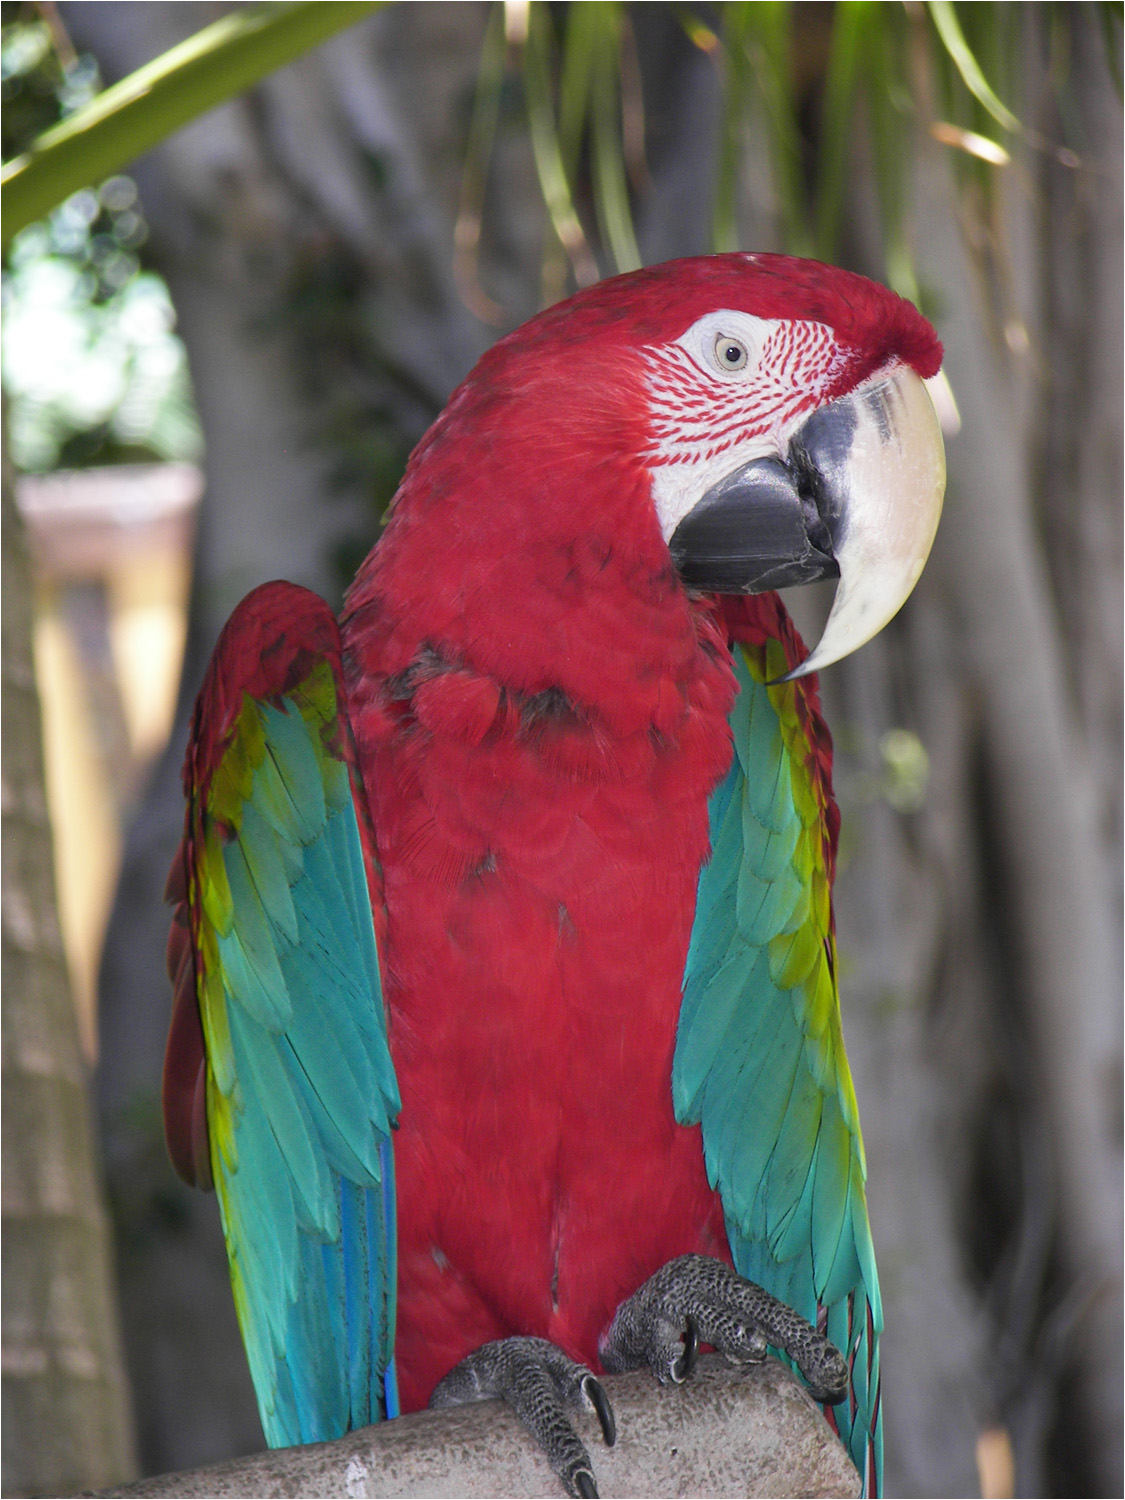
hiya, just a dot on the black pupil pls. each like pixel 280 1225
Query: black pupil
pixel 732 354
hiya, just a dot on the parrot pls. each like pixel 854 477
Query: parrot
pixel 505 1019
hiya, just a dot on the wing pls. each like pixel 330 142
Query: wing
pixel 760 1056
pixel 278 1083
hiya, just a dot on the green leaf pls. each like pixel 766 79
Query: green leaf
pixel 852 22
pixel 546 150
pixel 953 39
pixel 474 176
pixel 736 107
pixel 611 190
pixel 891 128
pixel 136 114
pixel 579 62
pixel 768 43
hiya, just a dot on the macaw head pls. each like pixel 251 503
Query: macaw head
pixel 793 439
pixel 759 420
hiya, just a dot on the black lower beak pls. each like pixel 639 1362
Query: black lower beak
pixel 771 525
pixel 752 532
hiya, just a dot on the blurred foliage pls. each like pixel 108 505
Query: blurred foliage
pixel 122 122
pixel 92 369
pixel 42 78
pixel 801 85
pixel 362 407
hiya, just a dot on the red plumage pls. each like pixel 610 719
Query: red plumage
pixel 539 920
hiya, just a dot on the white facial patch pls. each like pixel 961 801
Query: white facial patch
pixel 727 391
pixel 713 340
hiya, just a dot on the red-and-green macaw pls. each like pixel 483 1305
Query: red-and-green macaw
pixel 520 874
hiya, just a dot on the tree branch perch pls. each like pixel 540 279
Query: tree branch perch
pixel 723 1433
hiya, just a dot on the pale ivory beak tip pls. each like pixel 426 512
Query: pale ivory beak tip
pixel 894 486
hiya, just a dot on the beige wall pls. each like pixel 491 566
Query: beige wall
pixel 112 550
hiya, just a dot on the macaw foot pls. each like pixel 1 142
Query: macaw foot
pixel 697 1300
pixel 542 1386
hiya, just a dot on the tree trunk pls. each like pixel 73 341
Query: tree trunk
pixel 67 1424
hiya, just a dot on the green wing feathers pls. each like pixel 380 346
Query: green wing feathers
pixel 300 1093
pixel 760 1059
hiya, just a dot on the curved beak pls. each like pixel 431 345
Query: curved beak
pixel 858 495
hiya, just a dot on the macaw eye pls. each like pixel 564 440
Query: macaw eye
pixel 727 342
pixel 730 354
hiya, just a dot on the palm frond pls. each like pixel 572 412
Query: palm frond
pixel 124 121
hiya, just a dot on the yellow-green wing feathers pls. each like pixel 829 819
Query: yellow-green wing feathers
pixel 760 1059
pixel 300 1090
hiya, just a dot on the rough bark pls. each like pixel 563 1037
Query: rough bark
pixel 723 1433
pixel 66 1417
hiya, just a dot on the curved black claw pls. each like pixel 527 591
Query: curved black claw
pixel 542 1386
pixel 594 1392
pixel 695 1299
pixel 686 1362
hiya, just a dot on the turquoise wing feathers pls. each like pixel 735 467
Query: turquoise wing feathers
pixel 760 1060
pixel 300 1093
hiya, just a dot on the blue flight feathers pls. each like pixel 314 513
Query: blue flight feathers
pixel 759 1060
pixel 307 1195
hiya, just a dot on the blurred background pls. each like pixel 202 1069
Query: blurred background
pixel 215 364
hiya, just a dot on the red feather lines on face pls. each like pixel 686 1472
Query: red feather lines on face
pixel 694 415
